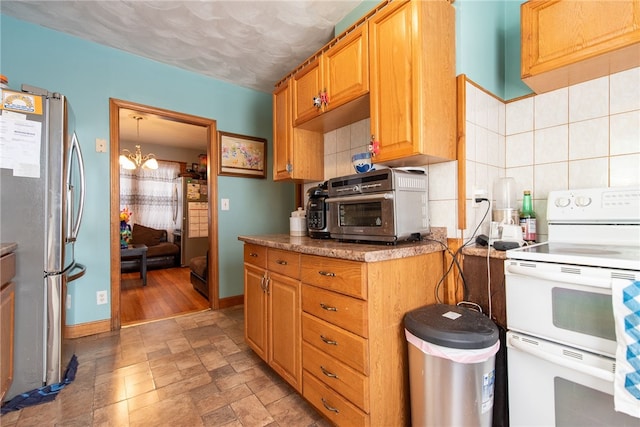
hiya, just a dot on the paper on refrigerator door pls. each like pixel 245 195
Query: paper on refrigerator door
pixel 20 145
pixel 198 219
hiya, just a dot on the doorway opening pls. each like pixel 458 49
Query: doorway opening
pixel 118 127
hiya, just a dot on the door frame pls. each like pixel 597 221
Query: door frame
pixel 212 188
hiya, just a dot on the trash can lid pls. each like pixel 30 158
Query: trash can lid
pixel 452 326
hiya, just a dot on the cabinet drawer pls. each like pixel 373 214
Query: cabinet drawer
pixel 336 342
pixel 337 409
pixel 347 312
pixel 284 262
pixel 346 277
pixel 341 378
pixel 7 267
pixel 255 255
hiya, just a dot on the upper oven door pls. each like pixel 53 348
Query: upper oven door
pixel 362 217
pixel 564 303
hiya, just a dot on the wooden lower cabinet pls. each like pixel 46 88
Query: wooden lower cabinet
pixel 272 310
pixel 350 342
pixel 7 321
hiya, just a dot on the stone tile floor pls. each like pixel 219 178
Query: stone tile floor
pixel 192 370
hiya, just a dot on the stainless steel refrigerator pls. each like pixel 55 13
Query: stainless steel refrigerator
pixel 191 218
pixel 42 198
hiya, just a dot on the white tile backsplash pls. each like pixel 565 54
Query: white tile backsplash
pixel 551 144
pixel 520 149
pixel 589 138
pixel 586 135
pixel 624 133
pixel 624 170
pixel 589 100
pixel 548 177
pixel 551 108
pixel 625 91
pixel 589 173
pixel 519 116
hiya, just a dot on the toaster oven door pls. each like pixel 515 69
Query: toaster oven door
pixel 363 217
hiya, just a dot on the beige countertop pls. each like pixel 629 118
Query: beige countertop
pixel 481 251
pixel 352 251
pixel 7 248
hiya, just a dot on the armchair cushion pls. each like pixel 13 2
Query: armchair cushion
pixel 147 235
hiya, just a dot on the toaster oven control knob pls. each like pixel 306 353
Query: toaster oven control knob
pixel 562 202
pixel 583 201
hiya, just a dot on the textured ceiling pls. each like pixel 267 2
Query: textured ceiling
pixel 248 43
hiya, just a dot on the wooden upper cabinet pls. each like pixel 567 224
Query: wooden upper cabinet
pixel 298 154
pixel 306 84
pixel 345 68
pixel 341 72
pixel 564 42
pixel 412 82
pixel 282 133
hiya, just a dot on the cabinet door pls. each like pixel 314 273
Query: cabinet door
pixel 255 310
pixel 391 82
pixel 568 42
pixel 345 68
pixel 7 319
pixel 412 82
pixel 282 129
pixel 306 85
pixel 285 354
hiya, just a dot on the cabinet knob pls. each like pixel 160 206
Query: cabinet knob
pixel 327 273
pixel 281 262
pixel 253 254
pixel 328 307
pixel 328 341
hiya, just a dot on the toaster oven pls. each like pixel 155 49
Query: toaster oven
pixel 387 205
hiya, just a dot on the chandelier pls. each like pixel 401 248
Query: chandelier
pixel 129 160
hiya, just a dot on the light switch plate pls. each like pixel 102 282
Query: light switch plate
pixel 224 204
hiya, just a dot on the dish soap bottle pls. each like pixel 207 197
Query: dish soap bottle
pixel 528 219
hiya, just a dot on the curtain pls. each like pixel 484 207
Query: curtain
pixel 149 194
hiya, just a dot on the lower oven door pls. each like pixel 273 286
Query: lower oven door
pixel 563 303
pixel 556 385
pixel 363 217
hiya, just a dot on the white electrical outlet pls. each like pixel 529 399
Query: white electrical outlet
pixel 101 145
pixel 224 204
pixel 101 297
pixel 68 301
pixel 478 193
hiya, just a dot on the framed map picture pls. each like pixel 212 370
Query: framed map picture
pixel 240 155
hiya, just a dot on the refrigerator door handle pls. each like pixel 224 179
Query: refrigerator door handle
pixel 75 222
pixel 175 203
pixel 79 269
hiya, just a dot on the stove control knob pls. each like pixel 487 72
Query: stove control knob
pixel 562 202
pixel 583 201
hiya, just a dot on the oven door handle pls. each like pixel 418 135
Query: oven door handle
pixel 541 354
pixel 360 198
pixel 555 277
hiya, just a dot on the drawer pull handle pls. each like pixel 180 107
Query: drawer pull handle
pixel 328 341
pixel 330 408
pixel 253 254
pixel 281 262
pixel 328 307
pixel 327 373
pixel 327 273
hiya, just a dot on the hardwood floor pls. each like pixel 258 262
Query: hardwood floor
pixel 168 293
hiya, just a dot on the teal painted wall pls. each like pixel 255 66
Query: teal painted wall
pixel 354 15
pixel 487 43
pixel 89 74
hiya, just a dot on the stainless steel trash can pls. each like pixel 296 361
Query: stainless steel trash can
pixel 451 366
